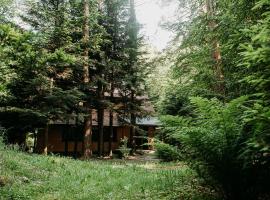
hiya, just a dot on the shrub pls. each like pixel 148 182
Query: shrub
pixel 2 132
pixel 171 127
pixel 124 150
pixel 218 145
pixel 167 152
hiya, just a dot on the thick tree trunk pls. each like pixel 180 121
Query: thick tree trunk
pixel 87 144
pixel 87 147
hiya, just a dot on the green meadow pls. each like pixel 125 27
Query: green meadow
pixel 38 177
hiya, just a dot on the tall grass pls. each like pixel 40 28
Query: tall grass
pixel 37 177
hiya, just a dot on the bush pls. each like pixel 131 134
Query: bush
pixel 167 152
pixel 217 145
pixel 2 132
pixel 123 149
pixel 171 127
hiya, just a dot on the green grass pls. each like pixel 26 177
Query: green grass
pixel 25 176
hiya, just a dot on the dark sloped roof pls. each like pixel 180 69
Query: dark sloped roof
pixel 144 121
pixel 148 121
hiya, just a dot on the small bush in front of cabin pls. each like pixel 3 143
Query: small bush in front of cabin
pixel 124 150
pixel 167 152
pixel 2 132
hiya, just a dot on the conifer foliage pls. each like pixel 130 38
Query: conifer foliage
pixel 221 71
pixel 60 63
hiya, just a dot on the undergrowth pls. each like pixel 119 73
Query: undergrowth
pixel 29 176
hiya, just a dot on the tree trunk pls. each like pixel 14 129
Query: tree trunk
pixel 35 142
pixel 218 71
pixel 45 151
pixel 66 143
pixel 100 119
pixel 101 132
pixel 75 151
pixel 76 138
pixel 86 14
pixel 87 145
pixel 46 137
pixel 111 122
pixel 133 123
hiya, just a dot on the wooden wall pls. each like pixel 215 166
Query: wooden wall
pixel 56 143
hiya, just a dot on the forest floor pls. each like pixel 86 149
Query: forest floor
pixel 37 177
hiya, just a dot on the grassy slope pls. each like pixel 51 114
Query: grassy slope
pixel 24 176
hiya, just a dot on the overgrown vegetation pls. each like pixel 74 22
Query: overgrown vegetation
pixel 167 152
pixel 25 176
pixel 62 58
pixel 214 100
pixel 216 105
pixel 217 146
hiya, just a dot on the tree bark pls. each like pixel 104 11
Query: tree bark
pixel 218 70
pixel 133 123
pixel 35 142
pixel 100 119
pixel 66 143
pixel 87 144
pixel 111 122
pixel 87 147
pixel 75 150
pixel 46 137
pixel 86 36
pixel 76 138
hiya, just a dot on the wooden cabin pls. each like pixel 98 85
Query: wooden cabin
pixel 67 138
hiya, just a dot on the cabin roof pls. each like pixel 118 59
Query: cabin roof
pixel 148 121
pixel 144 121
pixel 147 107
pixel 117 121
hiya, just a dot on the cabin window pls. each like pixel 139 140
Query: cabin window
pixel 72 134
pixel 106 132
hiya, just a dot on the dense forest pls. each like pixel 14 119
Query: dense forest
pixel 61 59
pixel 214 99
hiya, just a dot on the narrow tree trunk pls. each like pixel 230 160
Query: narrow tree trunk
pixel 35 142
pixel 112 13
pixel 100 119
pixel 76 138
pixel 87 145
pixel 47 124
pixel 86 13
pixel 66 143
pixel 133 123
pixel 75 151
pixel 46 137
pixel 101 132
pixel 111 122
pixel 218 71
